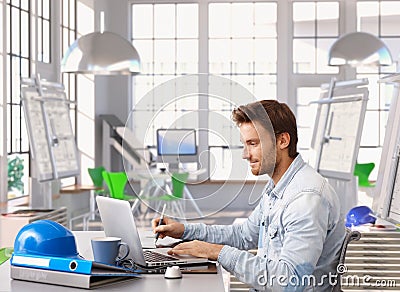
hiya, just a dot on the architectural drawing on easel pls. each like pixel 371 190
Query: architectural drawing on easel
pixel 338 128
pixel 51 137
pixel 337 135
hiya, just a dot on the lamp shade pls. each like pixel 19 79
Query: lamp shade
pixel 359 49
pixel 102 53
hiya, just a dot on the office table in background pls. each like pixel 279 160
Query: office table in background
pixel 156 179
pixel 189 282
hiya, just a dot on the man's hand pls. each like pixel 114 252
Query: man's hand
pixel 198 248
pixel 169 228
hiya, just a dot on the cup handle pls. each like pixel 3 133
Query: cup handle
pixel 126 251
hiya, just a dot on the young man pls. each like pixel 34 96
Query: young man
pixel 297 225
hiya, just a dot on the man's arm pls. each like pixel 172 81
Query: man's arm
pixel 241 236
pixel 289 260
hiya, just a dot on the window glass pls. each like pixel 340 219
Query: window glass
pixel 17 65
pixel 43 32
pixel 390 18
pixel 166 38
pixel 68 34
pixel 306 115
pixel 315 27
pixel 379 18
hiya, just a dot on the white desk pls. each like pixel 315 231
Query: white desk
pixel 189 282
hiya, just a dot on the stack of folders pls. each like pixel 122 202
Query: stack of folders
pixel 79 273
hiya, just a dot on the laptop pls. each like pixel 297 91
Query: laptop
pixel 118 221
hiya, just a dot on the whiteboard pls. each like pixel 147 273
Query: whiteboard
pixel 338 132
pixel 51 137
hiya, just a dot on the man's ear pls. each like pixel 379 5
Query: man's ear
pixel 283 140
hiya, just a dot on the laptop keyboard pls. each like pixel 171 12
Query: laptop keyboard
pixel 151 256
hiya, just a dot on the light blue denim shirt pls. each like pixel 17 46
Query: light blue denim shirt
pixel 297 227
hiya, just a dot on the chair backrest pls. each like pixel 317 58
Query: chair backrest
pixel 116 182
pixel 350 236
pixel 363 170
pixel 178 183
pixel 96 174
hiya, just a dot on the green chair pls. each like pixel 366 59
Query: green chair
pixel 96 174
pixel 363 170
pixel 174 200
pixel 116 182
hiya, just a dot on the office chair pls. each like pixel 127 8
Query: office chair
pixel 97 180
pixel 175 198
pixel 363 170
pixel 350 236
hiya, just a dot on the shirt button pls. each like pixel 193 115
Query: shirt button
pixel 263 223
pixel 265 256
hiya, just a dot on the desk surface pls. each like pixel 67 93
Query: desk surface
pixel 78 189
pixel 189 282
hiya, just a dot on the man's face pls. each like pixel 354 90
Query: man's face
pixel 259 148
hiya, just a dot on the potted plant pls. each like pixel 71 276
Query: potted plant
pixel 15 173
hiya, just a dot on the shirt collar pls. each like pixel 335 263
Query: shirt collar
pixel 279 189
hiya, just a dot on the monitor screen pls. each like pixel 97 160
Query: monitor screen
pixel 176 142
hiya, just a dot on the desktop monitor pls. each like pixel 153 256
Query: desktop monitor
pixel 176 146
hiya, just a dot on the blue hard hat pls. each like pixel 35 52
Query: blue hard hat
pixel 45 238
pixel 360 215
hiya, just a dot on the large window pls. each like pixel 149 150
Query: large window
pixel 44 31
pixel 18 64
pixel 281 57
pixel 167 38
pixel 315 28
pixel 68 34
pixel 240 44
pixel 380 18
pixel 29 49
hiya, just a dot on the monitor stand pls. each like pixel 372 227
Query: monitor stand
pixel 173 167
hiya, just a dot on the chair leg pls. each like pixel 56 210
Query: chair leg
pixel 178 210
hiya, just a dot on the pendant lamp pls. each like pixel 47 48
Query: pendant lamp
pixel 359 49
pixel 101 53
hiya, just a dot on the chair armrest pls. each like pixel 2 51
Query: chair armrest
pixel 350 236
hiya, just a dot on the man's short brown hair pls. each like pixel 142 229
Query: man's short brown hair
pixel 280 115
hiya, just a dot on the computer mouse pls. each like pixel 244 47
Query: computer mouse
pixel 173 273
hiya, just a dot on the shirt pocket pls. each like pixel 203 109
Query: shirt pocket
pixel 275 242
